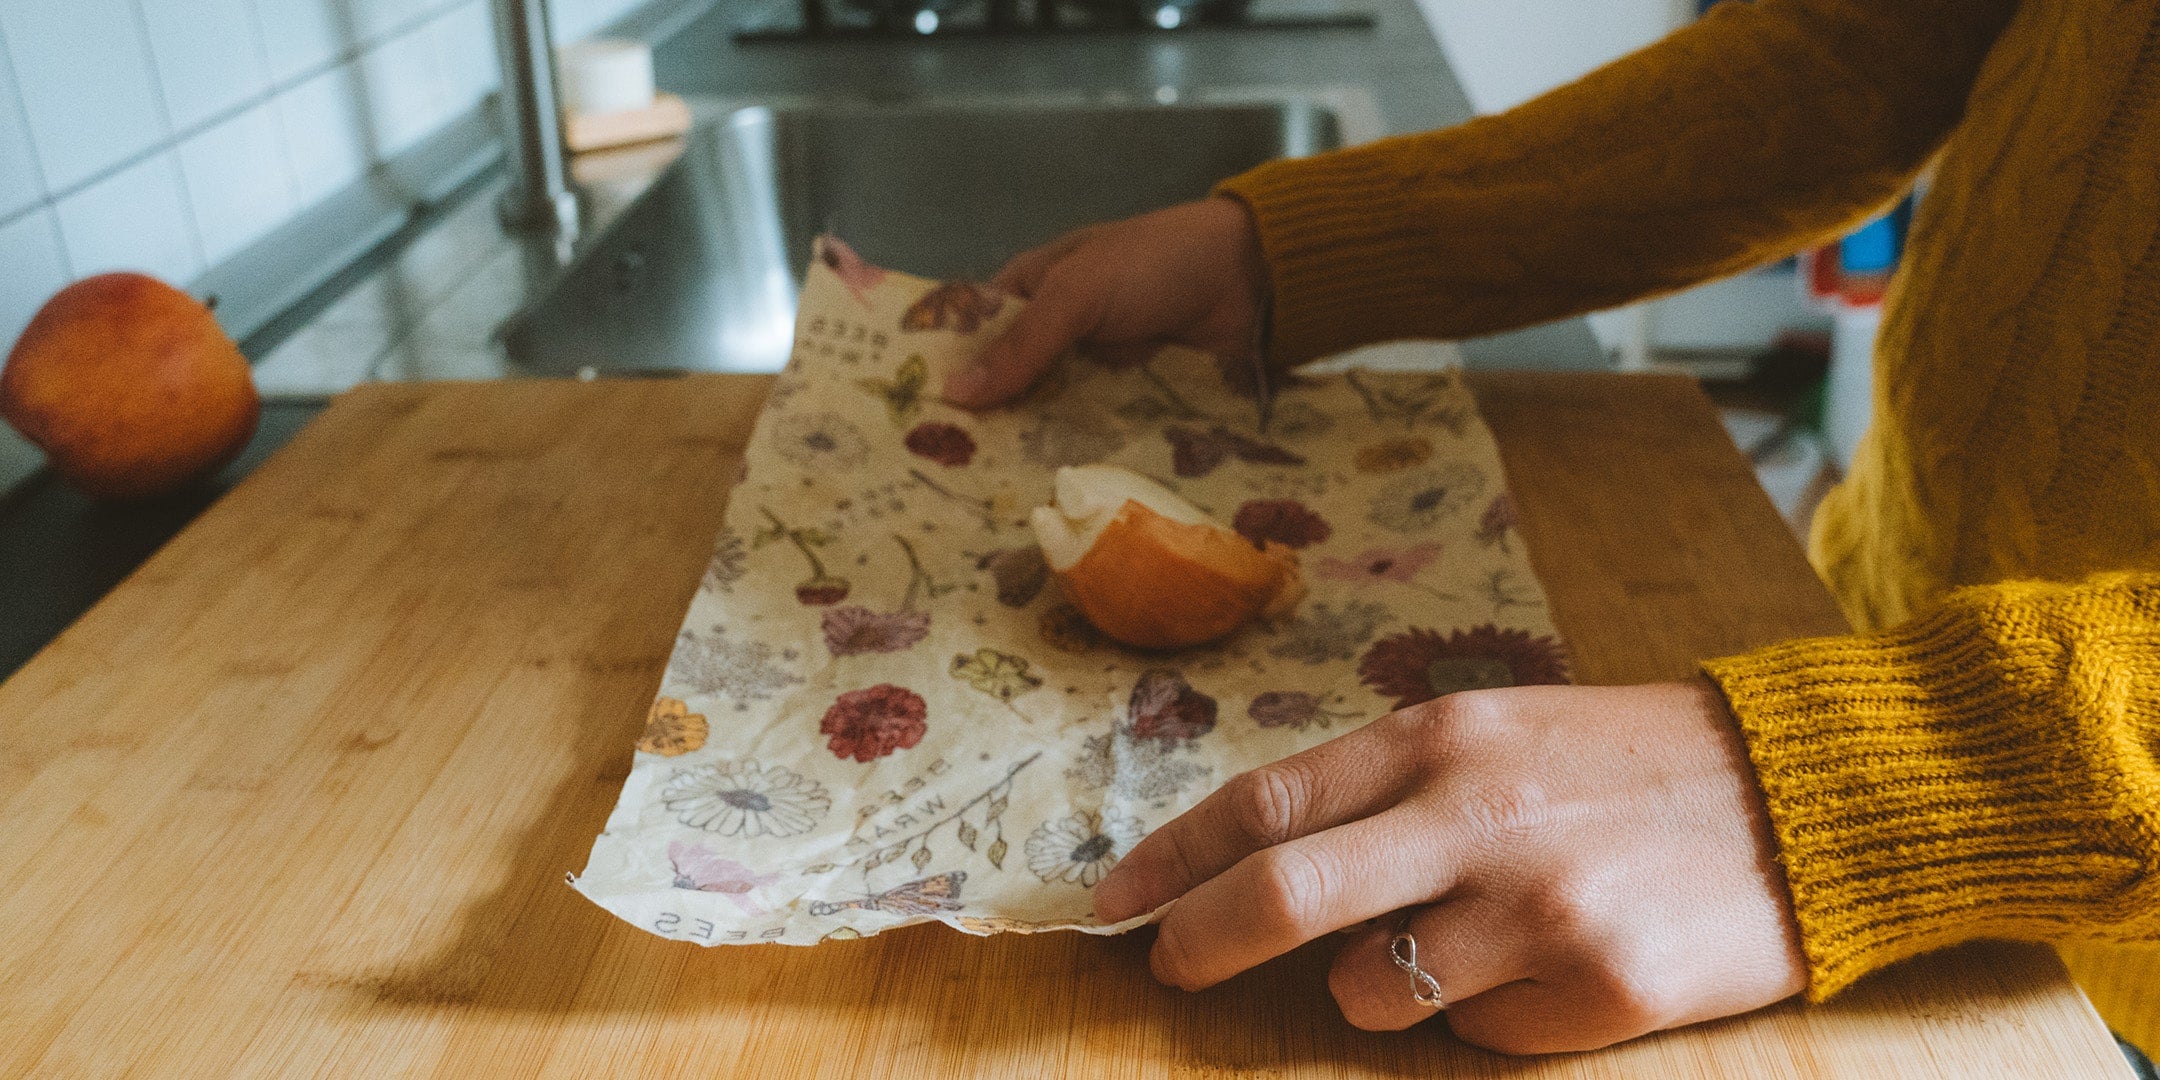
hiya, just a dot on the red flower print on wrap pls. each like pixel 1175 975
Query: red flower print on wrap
pixel 1379 564
pixel 869 724
pixel 821 590
pixel 947 444
pixel 1197 453
pixel 1165 706
pixel 851 631
pixel 1419 665
pixel 1499 518
pixel 1285 521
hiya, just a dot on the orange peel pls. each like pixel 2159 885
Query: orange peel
pixel 1150 569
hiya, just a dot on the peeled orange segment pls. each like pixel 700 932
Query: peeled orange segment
pixel 1152 570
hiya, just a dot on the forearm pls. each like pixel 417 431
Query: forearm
pixel 1758 130
pixel 1988 770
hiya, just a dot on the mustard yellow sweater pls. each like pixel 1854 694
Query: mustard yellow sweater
pixel 1982 761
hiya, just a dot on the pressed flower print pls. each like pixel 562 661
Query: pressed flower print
pixel 1297 709
pixel 1151 770
pixel 710 664
pixel 1418 502
pixel 1001 675
pixel 1397 564
pixel 1394 455
pixel 852 631
pixel 700 870
pixel 1420 664
pixel 729 563
pixel 869 724
pixel 672 730
pixel 1081 848
pixel 955 305
pixel 1197 453
pixel 1077 436
pixel 859 277
pixel 1164 706
pixel 1019 573
pixel 882 693
pixel 939 892
pixel 1323 633
pixel 1498 520
pixel 1285 521
pixel 820 442
pixel 745 799
pixel 903 393
pixel 947 444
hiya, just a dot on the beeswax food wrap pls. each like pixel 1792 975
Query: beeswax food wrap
pixel 880 712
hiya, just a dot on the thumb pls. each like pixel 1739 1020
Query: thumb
pixel 1055 322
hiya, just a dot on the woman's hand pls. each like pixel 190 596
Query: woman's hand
pixel 1580 865
pixel 1189 275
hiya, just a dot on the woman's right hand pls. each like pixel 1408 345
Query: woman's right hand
pixel 1192 275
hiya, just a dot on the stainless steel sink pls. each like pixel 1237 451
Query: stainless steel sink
pixel 699 270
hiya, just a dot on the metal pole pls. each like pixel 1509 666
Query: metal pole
pixel 539 195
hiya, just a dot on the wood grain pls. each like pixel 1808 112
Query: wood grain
pixel 298 798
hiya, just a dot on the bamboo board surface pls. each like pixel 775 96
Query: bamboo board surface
pixel 297 799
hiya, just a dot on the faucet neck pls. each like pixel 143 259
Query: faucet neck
pixel 539 196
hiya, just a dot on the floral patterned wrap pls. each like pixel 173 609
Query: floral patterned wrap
pixel 881 712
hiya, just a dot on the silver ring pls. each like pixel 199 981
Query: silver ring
pixel 1426 989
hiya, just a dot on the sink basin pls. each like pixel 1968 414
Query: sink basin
pixel 700 271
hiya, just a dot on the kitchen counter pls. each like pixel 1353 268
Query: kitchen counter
pixel 299 796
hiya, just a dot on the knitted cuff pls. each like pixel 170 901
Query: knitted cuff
pixel 1974 773
pixel 1348 259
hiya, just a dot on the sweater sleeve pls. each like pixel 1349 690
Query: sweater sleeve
pixel 1755 132
pixel 1991 769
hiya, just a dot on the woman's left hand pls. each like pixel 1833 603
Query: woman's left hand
pixel 1578 866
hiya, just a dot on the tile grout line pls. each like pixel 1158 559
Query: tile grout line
pixel 172 141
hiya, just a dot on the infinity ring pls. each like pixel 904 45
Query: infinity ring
pixel 1423 987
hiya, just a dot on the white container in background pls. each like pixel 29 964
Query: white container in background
pixel 606 76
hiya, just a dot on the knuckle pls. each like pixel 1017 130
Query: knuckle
pixel 1292 896
pixel 1508 811
pixel 1630 995
pixel 1563 909
pixel 1454 727
pixel 1268 802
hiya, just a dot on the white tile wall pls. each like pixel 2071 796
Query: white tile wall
pixel 29 252
pixel 324 121
pixel 20 186
pixel 239 181
pixel 135 219
pixel 209 57
pixel 84 76
pixel 167 135
pixel 301 36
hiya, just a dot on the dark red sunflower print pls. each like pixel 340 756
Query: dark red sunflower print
pixel 1419 665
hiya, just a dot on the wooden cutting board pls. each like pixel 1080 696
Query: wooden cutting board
pixel 298 797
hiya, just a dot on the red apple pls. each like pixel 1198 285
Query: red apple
pixel 130 387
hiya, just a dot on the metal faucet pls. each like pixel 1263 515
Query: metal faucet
pixel 539 196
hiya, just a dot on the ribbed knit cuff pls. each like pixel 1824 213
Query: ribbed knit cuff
pixel 1346 253
pixel 1966 775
